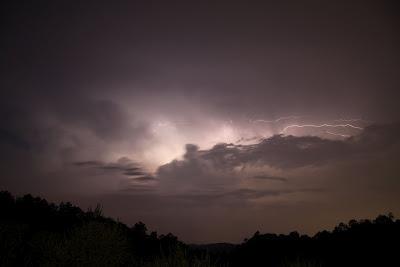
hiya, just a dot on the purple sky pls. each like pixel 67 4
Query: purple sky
pixel 209 120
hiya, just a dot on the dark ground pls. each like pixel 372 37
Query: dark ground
pixel 34 232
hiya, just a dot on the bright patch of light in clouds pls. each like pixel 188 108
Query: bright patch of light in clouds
pixel 169 137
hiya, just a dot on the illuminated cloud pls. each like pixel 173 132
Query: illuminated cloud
pixel 284 152
pixel 325 125
pixel 84 86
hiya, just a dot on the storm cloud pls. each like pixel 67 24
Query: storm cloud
pixel 251 113
pixel 287 152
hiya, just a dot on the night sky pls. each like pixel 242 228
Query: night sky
pixel 207 119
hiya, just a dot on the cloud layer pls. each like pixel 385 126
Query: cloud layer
pixel 98 100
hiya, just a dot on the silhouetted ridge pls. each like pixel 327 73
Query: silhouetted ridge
pixel 34 232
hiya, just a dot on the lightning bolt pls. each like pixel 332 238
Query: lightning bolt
pixel 321 126
pixel 351 120
pixel 336 134
pixel 276 120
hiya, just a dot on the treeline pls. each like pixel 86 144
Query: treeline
pixel 34 232
pixel 358 243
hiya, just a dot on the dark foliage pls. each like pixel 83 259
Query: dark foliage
pixel 358 243
pixel 34 232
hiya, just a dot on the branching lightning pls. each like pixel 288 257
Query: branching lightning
pixel 321 126
pixel 351 120
pixel 337 134
pixel 276 120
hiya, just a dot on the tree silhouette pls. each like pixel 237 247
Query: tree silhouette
pixel 34 232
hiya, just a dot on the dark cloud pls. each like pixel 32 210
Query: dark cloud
pixel 255 194
pixel 139 189
pixel 243 194
pixel 222 171
pixel 144 178
pixel 124 166
pixel 272 178
pixel 131 172
pixel 90 163
pixel 104 118
pixel 287 152
pixel 9 138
